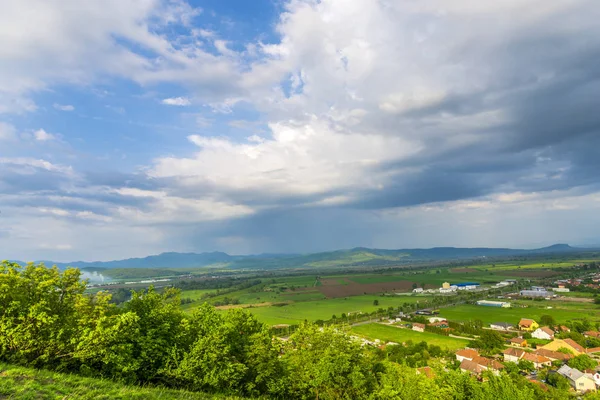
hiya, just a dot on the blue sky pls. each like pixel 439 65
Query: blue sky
pixel 132 128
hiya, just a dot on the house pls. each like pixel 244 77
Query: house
pixel 471 366
pixel 593 350
pixel 501 326
pixel 553 355
pixel 578 380
pixel 562 328
pixel 466 354
pixel 518 342
pixel 418 327
pixel 436 319
pixel 528 325
pixel 441 324
pixel 489 303
pixel 568 344
pixel 418 290
pixel 593 334
pixel 596 378
pixel 488 364
pixel 513 355
pixel 543 333
pixel 537 360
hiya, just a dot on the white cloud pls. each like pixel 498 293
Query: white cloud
pixel 42 136
pixel 177 101
pixel 65 107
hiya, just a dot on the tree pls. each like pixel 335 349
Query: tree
pixel 547 320
pixel 375 302
pixel 582 362
pixel 511 367
pixel 489 341
pixel 326 364
pixel 525 365
pixel 414 285
pixel 558 381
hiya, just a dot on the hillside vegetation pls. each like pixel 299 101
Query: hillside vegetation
pixel 26 383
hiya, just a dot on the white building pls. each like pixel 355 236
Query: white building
pixel 543 333
pixel 561 290
pixel 418 290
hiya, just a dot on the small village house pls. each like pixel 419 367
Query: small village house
pixel 529 325
pixel 518 342
pixel 418 327
pixel 513 355
pixel 466 354
pixel 591 334
pixel 501 326
pixel 543 333
pixel 553 355
pixel 537 360
pixel 568 344
pixel 578 380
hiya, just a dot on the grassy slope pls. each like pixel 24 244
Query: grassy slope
pixel 26 383
pixel 399 335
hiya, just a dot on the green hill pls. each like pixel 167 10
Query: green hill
pixel 27 383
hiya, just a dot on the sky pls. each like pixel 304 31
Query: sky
pixel 130 128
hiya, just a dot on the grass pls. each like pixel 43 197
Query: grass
pixel 296 313
pixel 400 335
pixel 560 311
pixel 29 384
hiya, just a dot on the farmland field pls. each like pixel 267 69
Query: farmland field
pixel 295 313
pixel 560 311
pixel 400 335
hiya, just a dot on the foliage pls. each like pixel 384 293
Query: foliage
pixel 525 365
pixel 547 320
pixel 489 341
pixel 582 362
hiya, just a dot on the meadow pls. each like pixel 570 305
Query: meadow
pixel 399 335
pixel 29 384
pixel 561 312
pixel 297 312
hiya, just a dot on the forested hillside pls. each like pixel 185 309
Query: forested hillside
pixel 47 321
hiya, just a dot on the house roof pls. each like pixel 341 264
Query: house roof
pixel 555 355
pixel 502 324
pixel 467 353
pixel 488 363
pixel 536 358
pixel 592 333
pixel 418 325
pixel 594 350
pixel 526 322
pixel 547 330
pixel 514 352
pixel 518 340
pixel 570 373
pixel 563 328
pixel 471 366
pixel 574 345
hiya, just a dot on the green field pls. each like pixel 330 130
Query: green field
pixel 560 311
pixel 400 335
pixel 296 313
pixel 29 384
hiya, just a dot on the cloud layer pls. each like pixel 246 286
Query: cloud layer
pixel 386 124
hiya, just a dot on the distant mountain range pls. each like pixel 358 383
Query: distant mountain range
pixel 359 256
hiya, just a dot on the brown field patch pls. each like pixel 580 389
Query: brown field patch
pixel 301 290
pixel 532 273
pixel 462 270
pixel 356 289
